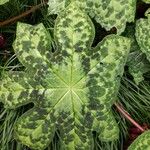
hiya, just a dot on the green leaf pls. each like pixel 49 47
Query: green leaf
pixel 137 62
pixel 138 65
pixel 3 2
pixel 109 13
pixel 146 1
pixel 72 89
pixel 56 6
pixel 143 34
pixel 142 142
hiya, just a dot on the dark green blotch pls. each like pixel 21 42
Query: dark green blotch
pixel 89 4
pixel 31 125
pixel 69 138
pixel 10 97
pixel 78 46
pixel 23 94
pixel 65 53
pixel 86 64
pixel 29 58
pixel 79 24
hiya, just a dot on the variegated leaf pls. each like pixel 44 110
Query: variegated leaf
pixel 142 142
pixel 3 2
pixel 109 13
pixel 143 34
pixel 137 62
pixel 72 89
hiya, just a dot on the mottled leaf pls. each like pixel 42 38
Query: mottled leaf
pixel 3 2
pixel 72 89
pixel 137 62
pixel 143 34
pixel 56 6
pixel 142 142
pixel 109 13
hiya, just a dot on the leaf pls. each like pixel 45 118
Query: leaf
pixel 146 1
pixel 137 62
pixel 72 89
pixel 142 142
pixel 143 34
pixel 3 2
pixel 109 13
pixel 138 66
pixel 56 6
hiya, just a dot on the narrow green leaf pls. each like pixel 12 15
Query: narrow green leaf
pixel 73 90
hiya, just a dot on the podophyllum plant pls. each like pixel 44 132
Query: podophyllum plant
pixel 72 89
pixel 137 62
pixel 3 2
pixel 109 13
pixel 143 38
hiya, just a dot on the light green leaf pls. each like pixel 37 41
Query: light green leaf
pixel 142 142
pixel 72 89
pixel 56 6
pixel 3 2
pixel 146 1
pixel 109 13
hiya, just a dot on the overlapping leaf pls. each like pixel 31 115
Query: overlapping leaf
pixel 137 62
pixel 72 89
pixel 146 1
pixel 143 34
pixel 142 142
pixel 109 13
pixel 3 2
pixel 143 39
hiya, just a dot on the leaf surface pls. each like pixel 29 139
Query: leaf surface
pixel 146 1
pixel 137 61
pixel 109 13
pixel 72 89
pixel 142 142
pixel 143 34
pixel 3 2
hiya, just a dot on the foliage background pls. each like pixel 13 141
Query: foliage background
pixel 134 98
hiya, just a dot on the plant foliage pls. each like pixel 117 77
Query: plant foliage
pixel 137 61
pixel 72 89
pixel 109 13
pixel 142 142
pixel 146 1
pixel 143 38
pixel 3 2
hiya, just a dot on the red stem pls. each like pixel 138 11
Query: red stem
pixel 128 117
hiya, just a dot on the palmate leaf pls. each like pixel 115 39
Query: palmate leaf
pixel 109 13
pixel 72 89
pixel 3 2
